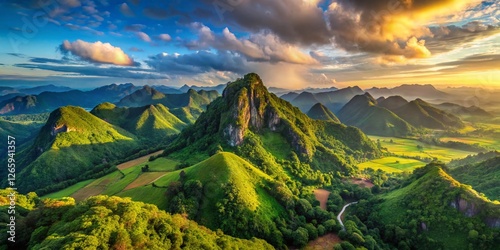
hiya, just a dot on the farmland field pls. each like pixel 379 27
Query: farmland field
pixel 392 164
pixel 414 148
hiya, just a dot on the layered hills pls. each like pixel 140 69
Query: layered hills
pixel 150 121
pixel 333 100
pixel 248 113
pixel 363 112
pixel 72 143
pixel 483 176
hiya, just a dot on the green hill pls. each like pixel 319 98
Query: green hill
pixel 483 177
pixel 150 121
pixel 465 112
pixel 434 211
pixel 72 144
pixel 320 112
pixel 421 114
pixel 362 112
pixel 246 117
pixel 103 222
pixel 227 175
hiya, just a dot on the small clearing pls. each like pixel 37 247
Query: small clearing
pixel 322 196
pixel 326 241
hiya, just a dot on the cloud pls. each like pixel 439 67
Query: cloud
pixel 294 21
pixel 155 13
pixel 165 37
pixel 258 47
pixel 126 11
pixel 143 36
pixel 446 38
pixel 135 27
pixel 89 70
pixel 135 49
pixel 97 52
pixel 197 63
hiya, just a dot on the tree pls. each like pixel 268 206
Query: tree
pixel 145 168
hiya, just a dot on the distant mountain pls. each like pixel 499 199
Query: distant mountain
pixel 148 95
pixel 333 100
pixel 289 96
pixel 472 111
pixel 73 144
pixel 304 101
pixel 320 112
pixel 422 114
pixel 392 102
pixel 8 90
pixel 278 91
pixel 48 101
pixel 141 97
pixel 166 89
pixel 39 89
pixel 380 92
pixel 362 112
pixel 150 122
pixel 10 96
pixel 319 90
pixel 219 88
pixel 410 91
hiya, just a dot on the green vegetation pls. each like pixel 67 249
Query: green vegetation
pixel 72 146
pixel 410 148
pixel 119 223
pixel 69 190
pixel 320 112
pixel 392 164
pixel 483 177
pixel 151 122
pixel 362 112
pixel 434 211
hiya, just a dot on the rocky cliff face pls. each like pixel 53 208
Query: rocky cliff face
pixel 474 208
pixel 251 109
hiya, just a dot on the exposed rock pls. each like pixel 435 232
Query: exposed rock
pixel 493 222
pixel 469 209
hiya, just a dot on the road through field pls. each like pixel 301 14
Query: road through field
pixel 339 217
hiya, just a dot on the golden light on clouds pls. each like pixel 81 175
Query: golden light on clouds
pixel 97 52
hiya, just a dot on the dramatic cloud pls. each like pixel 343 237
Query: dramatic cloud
pixel 446 38
pixel 97 52
pixel 258 47
pixel 196 63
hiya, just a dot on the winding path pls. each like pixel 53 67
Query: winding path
pixel 339 217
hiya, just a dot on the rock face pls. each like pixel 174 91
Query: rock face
pixel 252 109
pixel 469 209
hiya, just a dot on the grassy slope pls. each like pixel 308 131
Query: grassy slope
pixel 149 121
pixel 483 177
pixel 213 173
pixel 89 141
pixel 430 196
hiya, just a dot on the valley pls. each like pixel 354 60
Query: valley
pixel 292 177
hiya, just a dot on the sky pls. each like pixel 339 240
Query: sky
pixel 291 44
